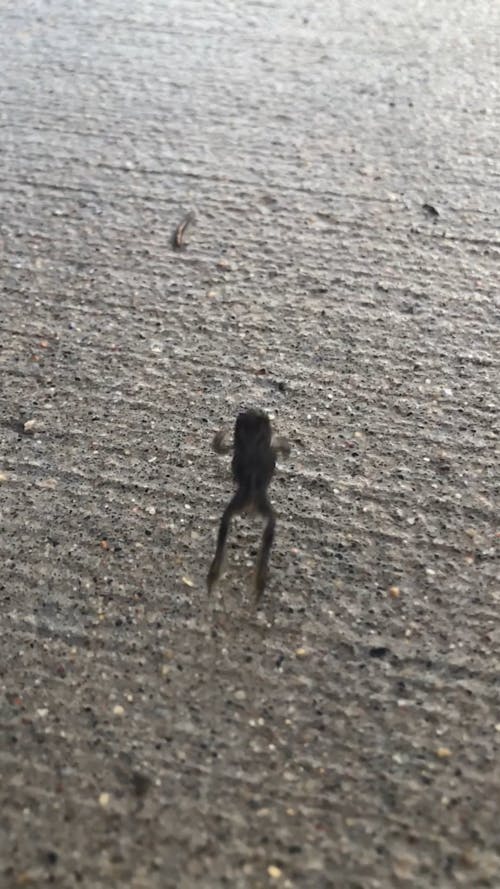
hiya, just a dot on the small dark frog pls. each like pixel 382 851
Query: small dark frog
pixel 255 448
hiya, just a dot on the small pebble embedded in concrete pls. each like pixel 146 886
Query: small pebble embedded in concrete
pixel 443 752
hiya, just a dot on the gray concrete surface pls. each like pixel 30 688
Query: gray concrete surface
pixel 347 735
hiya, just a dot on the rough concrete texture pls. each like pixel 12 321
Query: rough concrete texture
pixel 348 734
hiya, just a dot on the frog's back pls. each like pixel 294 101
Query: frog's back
pixel 254 460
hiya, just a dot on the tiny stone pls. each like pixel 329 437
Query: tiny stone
pixel 240 695
pixel 3 477
pixel 42 712
pixel 47 484
pixel 274 872
pixel 118 710
pixel 301 652
pixel 404 867
pixel 443 752
pixel 394 591
pixel 104 799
